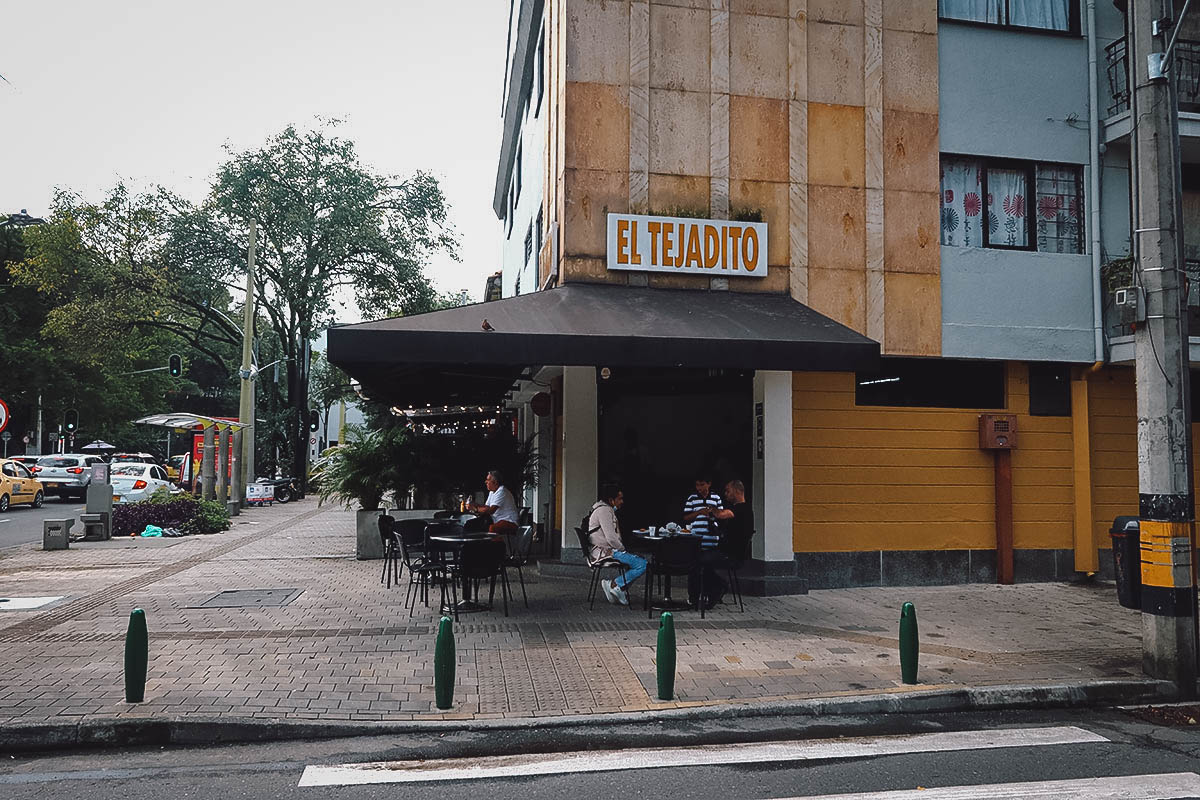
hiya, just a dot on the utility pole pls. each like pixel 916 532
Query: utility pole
pixel 246 407
pixel 1165 495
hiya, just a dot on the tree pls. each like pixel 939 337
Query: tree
pixel 327 226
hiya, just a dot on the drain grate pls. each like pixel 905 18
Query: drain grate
pixel 251 598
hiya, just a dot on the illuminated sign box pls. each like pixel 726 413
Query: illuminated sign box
pixel 715 247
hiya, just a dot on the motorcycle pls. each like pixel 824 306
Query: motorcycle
pixel 284 489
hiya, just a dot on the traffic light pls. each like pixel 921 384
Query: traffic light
pixel 71 420
pixel 314 420
pixel 175 366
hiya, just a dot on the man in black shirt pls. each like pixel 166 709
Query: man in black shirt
pixel 737 527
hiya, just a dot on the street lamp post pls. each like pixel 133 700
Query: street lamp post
pixel 246 406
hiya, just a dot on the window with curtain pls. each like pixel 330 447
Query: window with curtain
pixel 1009 204
pixel 1050 15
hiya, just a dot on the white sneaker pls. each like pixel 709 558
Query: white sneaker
pixel 622 595
pixel 609 591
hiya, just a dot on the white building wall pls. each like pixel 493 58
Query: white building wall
pixel 519 272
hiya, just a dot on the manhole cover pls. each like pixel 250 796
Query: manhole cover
pixel 251 598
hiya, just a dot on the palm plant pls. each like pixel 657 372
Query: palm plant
pixel 362 470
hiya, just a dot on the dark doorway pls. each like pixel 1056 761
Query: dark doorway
pixel 658 428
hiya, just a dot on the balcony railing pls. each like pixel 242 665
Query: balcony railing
pixel 1187 61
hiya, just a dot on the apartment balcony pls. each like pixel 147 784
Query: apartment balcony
pixel 1120 335
pixel 1117 122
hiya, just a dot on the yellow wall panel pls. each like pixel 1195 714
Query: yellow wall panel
pixel 871 478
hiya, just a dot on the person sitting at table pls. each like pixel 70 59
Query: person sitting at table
pixel 500 505
pixel 737 526
pixel 700 508
pixel 605 535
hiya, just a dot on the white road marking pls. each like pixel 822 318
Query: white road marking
pixel 25 603
pixel 1133 787
pixel 457 769
pixel 5 520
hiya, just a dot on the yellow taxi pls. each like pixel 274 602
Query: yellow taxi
pixel 17 485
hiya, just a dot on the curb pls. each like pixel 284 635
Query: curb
pixel 631 727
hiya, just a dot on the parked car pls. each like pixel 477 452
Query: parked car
pixel 174 464
pixel 28 461
pixel 17 485
pixel 134 481
pixel 66 475
pixel 132 458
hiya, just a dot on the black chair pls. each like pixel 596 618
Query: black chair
pixel 477 524
pixel 518 555
pixel 478 560
pixel 525 515
pixel 733 564
pixel 411 535
pixel 596 566
pixel 391 550
pixel 675 556
pixel 445 514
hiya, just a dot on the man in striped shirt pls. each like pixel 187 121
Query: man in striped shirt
pixel 699 511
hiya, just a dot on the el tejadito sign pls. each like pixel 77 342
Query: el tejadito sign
pixel 716 247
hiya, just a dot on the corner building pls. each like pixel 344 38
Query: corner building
pixel 940 198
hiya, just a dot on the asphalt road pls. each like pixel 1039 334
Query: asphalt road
pixel 1119 746
pixel 23 524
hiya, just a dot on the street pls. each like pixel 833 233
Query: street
pixel 1093 754
pixel 23 524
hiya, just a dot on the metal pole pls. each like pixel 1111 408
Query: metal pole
pixel 40 433
pixel 1166 503
pixel 246 407
pixel 208 469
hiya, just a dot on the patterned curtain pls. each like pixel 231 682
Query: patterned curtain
pixel 962 225
pixel 972 10
pixel 1059 228
pixel 1006 208
pixel 1054 15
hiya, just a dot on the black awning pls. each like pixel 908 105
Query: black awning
pixel 427 357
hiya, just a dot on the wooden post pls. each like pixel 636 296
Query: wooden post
pixel 1004 517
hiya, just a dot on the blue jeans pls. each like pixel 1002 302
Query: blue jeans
pixel 634 567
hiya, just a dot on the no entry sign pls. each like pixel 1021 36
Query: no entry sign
pixel 3 415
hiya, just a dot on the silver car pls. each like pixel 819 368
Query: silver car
pixel 66 475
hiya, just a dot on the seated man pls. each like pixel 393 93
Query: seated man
pixel 737 526
pixel 500 505
pixel 699 509
pixel 605 536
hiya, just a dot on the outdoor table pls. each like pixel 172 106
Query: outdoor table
pixel 649 544
pixel 453 543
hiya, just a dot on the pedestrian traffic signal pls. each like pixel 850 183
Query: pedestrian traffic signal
pixel 314 420
pixel 71 420
pixel 175 366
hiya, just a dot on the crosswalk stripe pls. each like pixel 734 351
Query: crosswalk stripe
pixel 457 769
pixel 1167 786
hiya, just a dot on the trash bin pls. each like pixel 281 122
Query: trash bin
pixel 1127 560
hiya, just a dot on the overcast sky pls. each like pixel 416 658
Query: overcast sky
pixel 149 92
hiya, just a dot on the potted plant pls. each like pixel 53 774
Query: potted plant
pixel 360 472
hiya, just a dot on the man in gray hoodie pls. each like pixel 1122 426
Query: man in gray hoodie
pixel 605 536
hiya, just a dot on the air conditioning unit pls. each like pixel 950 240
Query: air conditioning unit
pixel 1130 305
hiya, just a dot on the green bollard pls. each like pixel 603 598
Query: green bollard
pixel 137 656
pixel 910 648
pixel 666 657
pixel 443 665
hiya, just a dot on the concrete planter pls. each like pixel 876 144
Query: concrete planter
pixel 368 545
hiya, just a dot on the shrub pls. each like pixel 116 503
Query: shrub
pixel 184 512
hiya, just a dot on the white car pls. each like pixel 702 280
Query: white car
pixel 133 482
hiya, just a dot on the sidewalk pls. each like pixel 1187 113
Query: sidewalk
pixel 345 651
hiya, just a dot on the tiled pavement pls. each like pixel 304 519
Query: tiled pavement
pixel 345 648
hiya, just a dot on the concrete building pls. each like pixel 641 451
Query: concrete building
pixel 947 182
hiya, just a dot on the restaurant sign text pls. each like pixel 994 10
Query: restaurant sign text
pixel 717 247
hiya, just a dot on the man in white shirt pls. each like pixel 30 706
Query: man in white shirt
pixel 605 537
pixel 500 505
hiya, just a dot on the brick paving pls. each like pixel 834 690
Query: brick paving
pixel 345 649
